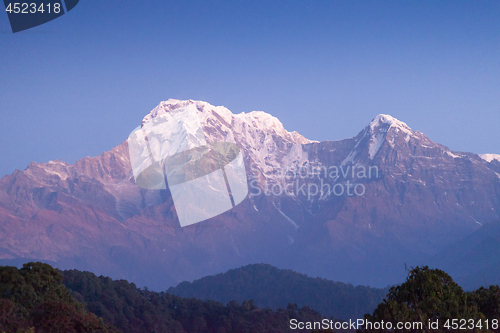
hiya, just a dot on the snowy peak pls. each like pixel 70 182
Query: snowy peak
pixel 379 127
pixel 384 121
pixel 218 120
pixel 261 136
pixel 261 120
pixel 386 131
pixel 490 157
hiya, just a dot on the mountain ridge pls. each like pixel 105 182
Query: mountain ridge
pixel 91 215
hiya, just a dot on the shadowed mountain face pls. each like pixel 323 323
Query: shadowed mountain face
pixel 354 210
pixel 473 261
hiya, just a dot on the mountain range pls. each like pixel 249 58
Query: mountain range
pixel 356 210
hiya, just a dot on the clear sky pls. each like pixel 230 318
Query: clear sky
pixel 78 85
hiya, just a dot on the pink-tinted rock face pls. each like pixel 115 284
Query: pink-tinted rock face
pixel 419 197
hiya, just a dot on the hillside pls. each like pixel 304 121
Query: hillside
pixel 33 299
pixel 38 298
pixel 271 287
pixel 135 310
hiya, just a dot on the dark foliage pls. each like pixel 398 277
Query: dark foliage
pixel 134 310
pixel 488 301
pixel 38 298
pixel 33 299
pixel 431 296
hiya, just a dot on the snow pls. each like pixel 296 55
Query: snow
pixel 378 129
pixel 61 175
pixel 286 217
pixel 174 132
pixel 350 158
pixel 296 155
pixel 375 144
pixel 261 136
pixel 209 115
pixel 385 119
pixel 57 167
pixel 452 155
pixel 490 157
pixel 262 121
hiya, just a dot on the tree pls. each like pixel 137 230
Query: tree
pixel 488 301
pixel 33 298
pixel 426 295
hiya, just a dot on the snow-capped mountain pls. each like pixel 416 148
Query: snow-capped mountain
pixel 261 136
pixel 409 197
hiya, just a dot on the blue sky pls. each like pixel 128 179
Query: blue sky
pixel 78 85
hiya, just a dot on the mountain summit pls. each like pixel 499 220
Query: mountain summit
pixel 353 210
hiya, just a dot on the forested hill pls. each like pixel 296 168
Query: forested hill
pixel 33 299
pixel 40 299
pixel 271 287
pixel 135 310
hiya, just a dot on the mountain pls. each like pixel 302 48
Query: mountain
pixel 474 261
pixel 354 210
pixel 275 288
